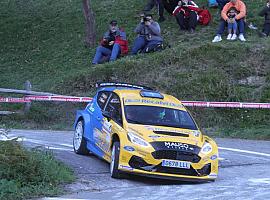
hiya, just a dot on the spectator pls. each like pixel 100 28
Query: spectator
pixel 168 5
pixel 150 5
pixel 232 24
pixel 186 15
pixel 239 18
pixel 149 35
pixel 114 43
pixel 265 12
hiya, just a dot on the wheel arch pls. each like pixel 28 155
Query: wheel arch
pixel 115 137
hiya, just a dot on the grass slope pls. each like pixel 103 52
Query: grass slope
pixel 42 41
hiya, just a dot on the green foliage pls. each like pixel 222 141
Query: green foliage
pixel 43 42
pixel 29 173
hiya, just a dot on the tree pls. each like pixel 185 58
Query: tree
pixel 90 38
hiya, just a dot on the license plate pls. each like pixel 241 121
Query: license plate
pixel 176 164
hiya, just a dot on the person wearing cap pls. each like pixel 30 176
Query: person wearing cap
pixel 149 35
pixel 113 44
pixel 239 18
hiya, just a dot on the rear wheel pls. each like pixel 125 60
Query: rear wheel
pixel 79 142
pixel 115 172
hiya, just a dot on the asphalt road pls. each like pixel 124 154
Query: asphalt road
pixel 244 173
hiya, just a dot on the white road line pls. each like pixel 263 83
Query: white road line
pixel 245 151
pixel 55 198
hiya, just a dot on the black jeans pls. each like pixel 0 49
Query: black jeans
pixel 187 23
pixel 266 28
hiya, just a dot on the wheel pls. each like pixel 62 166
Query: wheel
pixel 115 172
pixel 79 142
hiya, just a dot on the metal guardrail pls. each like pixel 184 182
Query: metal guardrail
pixel 25 92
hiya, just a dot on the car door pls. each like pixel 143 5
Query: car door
pixel 112 125
pixel 97 120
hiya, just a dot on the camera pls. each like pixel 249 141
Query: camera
pixel 145 19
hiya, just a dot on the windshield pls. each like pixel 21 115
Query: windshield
pixel 159 116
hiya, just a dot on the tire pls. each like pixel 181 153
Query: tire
pixel 114 171
pixel 79 142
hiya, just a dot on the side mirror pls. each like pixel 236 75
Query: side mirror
pixel 107 115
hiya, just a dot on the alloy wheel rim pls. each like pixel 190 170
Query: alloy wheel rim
pixel 78 134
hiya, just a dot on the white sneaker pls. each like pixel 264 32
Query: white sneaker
pixel 241 38
pixel 229 36
pixel 217 38
pixel 234 36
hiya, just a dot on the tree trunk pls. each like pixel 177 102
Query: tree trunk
pixel 90 38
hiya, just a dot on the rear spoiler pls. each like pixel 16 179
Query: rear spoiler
pixel 125 85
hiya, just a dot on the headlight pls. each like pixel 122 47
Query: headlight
pixel 207 148
pixel 135 139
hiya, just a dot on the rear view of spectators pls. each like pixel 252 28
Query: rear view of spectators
pixel 239 18
pixel 186 15
pixel 265 12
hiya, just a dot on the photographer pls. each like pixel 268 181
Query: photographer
pixel 113 44
pixel 265 12
pixel 149 36
pixel 186 15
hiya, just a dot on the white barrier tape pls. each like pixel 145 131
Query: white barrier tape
pixel 225 104
pixel 185 103
pixel 14 100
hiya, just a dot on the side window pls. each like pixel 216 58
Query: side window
pixel 114 107
pixel 102 99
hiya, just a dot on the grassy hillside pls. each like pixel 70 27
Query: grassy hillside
pixel 42 41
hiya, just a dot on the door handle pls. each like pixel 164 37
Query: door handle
pixel 98 118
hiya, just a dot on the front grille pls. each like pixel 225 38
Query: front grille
pixel 176 155
pixel 179 171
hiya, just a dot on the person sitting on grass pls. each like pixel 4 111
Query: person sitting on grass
pixel 149 36
pixel 186 15
pixel 239 18
pixel 265 12
pixel 232 24
pixel 113 44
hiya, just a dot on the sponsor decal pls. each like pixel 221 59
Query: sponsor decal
pixel 178 145
pixel 151 128
pixel 162 103
pixel 126 167
pixel 129 148
pixel 91 107
pixel 213 157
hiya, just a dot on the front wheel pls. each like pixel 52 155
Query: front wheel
pixel 115 172
pixel 79 142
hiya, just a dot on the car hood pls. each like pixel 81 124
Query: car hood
pixel 168 134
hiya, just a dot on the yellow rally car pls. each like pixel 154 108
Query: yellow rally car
pixel 142 131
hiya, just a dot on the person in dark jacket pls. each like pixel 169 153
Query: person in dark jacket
pixel 265 12
pixel 186 15
pixel 149 35
pixel 114 42
pixel 151 4
pixel 168 5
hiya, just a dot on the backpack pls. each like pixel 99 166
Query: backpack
pixel 204 16
pixel 154 48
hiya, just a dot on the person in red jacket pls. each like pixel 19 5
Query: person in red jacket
pixel 186 15
pixel 113 44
